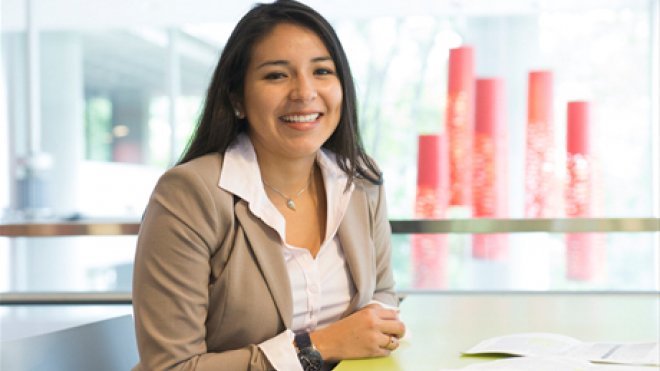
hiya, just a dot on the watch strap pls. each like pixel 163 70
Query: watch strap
pixel 303 340
pixel 309 357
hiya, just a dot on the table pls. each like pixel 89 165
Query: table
pixel 441 325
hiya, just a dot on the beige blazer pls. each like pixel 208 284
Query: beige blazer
pixel 210 281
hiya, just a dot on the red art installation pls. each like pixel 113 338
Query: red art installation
pixel 430 251
pixel 584 251
pixel 541 181
pixel 460 124
pixel 490 174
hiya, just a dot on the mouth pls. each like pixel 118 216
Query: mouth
pixel 301 118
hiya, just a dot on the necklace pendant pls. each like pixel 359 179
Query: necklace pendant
pixel 290 204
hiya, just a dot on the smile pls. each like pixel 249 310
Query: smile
pixel 301 118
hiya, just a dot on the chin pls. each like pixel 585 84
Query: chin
pixel 306 148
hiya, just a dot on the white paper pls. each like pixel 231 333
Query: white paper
pixel 545 344
pixel 542 344
pixel 551 363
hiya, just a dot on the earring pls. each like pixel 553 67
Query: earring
pixel 237 113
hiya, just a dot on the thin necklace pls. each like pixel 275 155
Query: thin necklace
pixel 289 200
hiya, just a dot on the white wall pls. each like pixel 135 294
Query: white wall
pixel 79 14
pixel 4 143
pixel 4 179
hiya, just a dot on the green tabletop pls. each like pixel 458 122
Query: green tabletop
pixel 442 325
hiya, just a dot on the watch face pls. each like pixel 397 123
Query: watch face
pixel 310 359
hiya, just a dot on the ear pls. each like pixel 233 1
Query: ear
pixel 237 105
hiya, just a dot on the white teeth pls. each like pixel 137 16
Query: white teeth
pixel 300 118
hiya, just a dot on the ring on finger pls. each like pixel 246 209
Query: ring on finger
pixel 391 344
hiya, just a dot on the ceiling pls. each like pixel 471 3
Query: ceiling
pixel 99 14
pixel 126 43
pixel 123 60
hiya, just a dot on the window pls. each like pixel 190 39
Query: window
pixel 120 95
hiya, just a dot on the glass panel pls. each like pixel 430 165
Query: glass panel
pixel 600 54
pixel 18 322
pixel 507 261
pixel 107 91
pixel 126 76
pixel 527 261
pixel 84 263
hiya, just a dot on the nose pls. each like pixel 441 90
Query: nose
pixel 303 89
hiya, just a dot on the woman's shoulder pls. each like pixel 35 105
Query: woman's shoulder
pixel 206 167
pixel 190 191
pixel 201 173
pixel 195 183
pixel 202 163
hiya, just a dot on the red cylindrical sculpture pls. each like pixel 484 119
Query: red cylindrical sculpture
pixel 430 251
pixel 578 117
pixel 460 124
pixel 489 181
pixel 541 188
pixel 584 251
pixel 578 177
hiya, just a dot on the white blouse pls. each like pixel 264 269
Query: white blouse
pixel 321 287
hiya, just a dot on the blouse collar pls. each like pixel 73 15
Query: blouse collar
pixel 241 176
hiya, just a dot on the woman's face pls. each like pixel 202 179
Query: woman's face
pixel 292 93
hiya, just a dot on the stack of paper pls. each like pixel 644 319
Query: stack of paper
pixel 538 363
pixel 543 351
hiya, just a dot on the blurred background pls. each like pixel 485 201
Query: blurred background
pixel 98 98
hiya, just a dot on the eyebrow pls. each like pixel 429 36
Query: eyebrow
pixel 283 62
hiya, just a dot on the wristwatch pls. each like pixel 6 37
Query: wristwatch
pixel 309 357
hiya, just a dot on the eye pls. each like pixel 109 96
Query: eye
pixel 323 71
pixel 274 76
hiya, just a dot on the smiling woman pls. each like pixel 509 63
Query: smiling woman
pixel 268 246
pixel 292 100
pixel 135 75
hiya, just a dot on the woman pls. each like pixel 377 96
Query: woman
pixel 267 247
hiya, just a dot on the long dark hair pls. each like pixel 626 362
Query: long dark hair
pixel 219 126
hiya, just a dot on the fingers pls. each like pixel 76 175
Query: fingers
pixel 384 313
pixel 388 314
pixel 393 327
pixel 392 343
pixel 388 321
pixel 372 331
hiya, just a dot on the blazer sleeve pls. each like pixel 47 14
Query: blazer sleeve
pixel 382 237
pixel 181 228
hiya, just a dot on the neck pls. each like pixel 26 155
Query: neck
pixel 286 176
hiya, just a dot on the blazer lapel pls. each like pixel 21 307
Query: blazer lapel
pixel 266 245
pixel 353 233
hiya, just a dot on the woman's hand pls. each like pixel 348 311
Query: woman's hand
pixel 372 331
